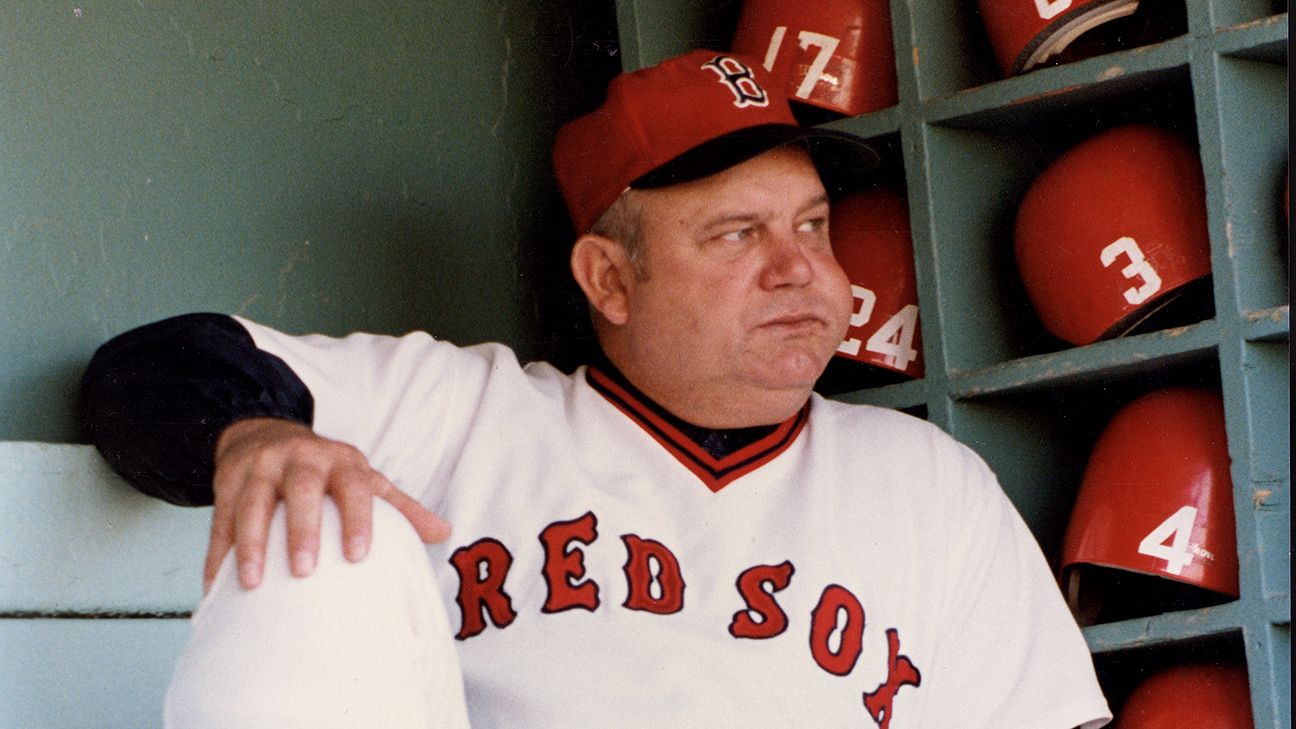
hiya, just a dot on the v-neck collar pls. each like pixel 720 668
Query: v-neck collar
pixel 752 447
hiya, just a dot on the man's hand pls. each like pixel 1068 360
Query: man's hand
pixel 262 460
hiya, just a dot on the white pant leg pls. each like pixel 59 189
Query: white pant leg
pixel 354 645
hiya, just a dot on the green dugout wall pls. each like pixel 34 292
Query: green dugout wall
pixel 383 165
pixel 318 165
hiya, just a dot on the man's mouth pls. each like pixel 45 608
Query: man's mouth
pixel 795 322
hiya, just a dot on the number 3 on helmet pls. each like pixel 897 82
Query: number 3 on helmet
pixel 1111 231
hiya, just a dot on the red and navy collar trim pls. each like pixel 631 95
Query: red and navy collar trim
pixel 714 472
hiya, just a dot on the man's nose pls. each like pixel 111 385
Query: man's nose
pixel 786 262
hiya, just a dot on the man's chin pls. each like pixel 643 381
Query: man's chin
pixel 797 371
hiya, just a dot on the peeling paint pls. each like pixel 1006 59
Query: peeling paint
pixel 1262 22
pixel 1045 95
pixel 1276 315
pixel 1260 498
pixel 1111 73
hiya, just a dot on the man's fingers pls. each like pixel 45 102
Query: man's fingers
pixel 354 497
pixel 431 528
pixel 222 538
pixel 251 527
pixel 303 492
pixel 260 461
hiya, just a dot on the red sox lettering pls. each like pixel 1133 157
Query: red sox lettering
pixel 655 584
pixel 751 585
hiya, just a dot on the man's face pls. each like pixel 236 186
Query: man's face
pixel 741 290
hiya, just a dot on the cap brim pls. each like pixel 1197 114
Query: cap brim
pixel 843 160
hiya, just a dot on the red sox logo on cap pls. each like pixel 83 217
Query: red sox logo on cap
pixel 668 123
pixel 741 81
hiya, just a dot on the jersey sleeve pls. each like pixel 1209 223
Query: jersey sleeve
pixel 154 400
pixel 407 402
pixel 1015 656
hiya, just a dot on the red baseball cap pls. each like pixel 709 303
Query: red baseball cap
pixel 686 118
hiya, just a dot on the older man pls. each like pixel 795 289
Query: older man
pixel 678 534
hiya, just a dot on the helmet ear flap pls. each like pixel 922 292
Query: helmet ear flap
pixel 1085 604
pixel 835 54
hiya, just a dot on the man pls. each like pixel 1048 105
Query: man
pixel 679 534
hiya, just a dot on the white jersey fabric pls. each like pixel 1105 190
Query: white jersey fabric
pixel 856 567
pixel 357 645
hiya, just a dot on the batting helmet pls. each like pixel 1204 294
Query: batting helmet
pixel 871 238
pixel 836 54
pixel 1112 231
pixel 1025 33
pixel 1190 697
pixel 1156 497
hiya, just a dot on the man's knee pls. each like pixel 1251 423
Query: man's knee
pixel 351 636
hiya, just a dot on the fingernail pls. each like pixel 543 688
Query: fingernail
pixel 250 574
pixel 303 563
pixel 446 529
pixel 357 548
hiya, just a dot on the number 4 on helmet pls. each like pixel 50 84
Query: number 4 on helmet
pixel 1156 498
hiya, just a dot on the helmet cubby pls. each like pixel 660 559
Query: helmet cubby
pixel 1232 13
pixel 969 140
pixel 1253 119
pixel 1264 478
pixel 1037 432
pixel 1156 682
pixel 872 237
pixel 983 165
pixel 965 44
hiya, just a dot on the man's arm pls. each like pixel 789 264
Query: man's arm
pixel 191 411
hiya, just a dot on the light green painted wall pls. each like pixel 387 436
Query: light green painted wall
pixel 319 166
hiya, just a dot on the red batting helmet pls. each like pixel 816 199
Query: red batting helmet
pixel 837 54
pixel 1025 33
pixel 1156 497
pixel 870 234
pixel 1190 697
pixel 1112 231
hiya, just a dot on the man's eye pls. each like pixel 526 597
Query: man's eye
pixel 738 235
pixel 813 225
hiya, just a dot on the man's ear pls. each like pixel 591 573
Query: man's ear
pixel 605 273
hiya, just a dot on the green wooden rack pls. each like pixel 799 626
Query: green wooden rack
pixel 965 143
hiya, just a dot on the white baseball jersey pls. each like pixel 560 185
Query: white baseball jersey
pixel 856 567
